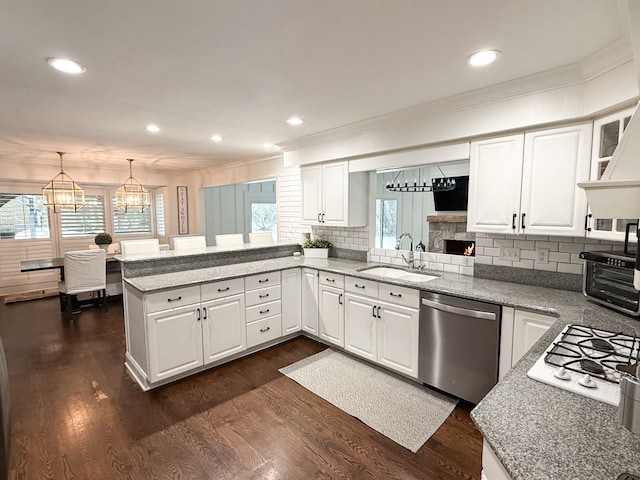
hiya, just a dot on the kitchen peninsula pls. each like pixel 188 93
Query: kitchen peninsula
pixel 534 430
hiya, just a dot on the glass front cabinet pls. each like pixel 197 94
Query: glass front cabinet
pixel 607 132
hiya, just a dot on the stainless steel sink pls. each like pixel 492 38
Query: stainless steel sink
pixel 398 274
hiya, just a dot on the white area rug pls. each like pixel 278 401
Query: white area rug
pixel 401 410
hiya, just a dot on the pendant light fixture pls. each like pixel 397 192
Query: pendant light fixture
pixel 62 192
pixel 131 196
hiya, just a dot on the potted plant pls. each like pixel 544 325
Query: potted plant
pixel 316 248
pixel 103 240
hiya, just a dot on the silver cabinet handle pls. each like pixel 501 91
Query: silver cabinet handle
pixel 174 299
pixel 262 330
pixel 459 311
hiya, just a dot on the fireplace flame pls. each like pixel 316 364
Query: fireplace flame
pixel 468 251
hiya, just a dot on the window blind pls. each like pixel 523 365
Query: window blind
pixel 89 220
pixel 23 216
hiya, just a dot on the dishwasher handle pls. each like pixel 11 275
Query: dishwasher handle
pixel 459 311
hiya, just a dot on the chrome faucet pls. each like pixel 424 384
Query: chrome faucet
pixel 399 243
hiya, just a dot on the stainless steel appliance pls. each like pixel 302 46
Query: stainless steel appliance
pixel 629 409
pixel 458 345
pixel 608 279
pixel 585 361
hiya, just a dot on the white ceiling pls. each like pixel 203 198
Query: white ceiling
pixel 240 68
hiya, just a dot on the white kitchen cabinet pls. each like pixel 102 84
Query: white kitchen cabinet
pixel 174 341
pixel 291 300
pixel 332 196
pixel 492 469
pixel 383 326
pixel 528 327
pixel 263 308
pixel 223 328
pixel 607 133
pixel 526 183
pixel 331 315
pixel 310 301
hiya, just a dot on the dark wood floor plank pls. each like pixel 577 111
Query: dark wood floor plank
pixel 78 415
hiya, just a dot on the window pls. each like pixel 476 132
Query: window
pixel 89 220
pixel 264 218
pixel 23 216
pixel 160 230
pixel 130 222
pixel 386 223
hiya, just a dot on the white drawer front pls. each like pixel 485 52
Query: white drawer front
pixel 331 279
pixel 224 288
pixel 170 299
pixel 262 280
pixel 407 297
pixel 361 286
pixel 263 310
pixel 264 330
pixel 262 295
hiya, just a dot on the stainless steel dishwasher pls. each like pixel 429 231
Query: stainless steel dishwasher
pixel 459 345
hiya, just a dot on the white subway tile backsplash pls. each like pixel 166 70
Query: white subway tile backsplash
pixel 523 263
pixel 559 257
pixel 571 247
pixel 466 271
pixel 502 242
pixel 551 246
pixel 484 242
pixel 438 267
pixel 503 263
pixel 549 267
pixel 451 268
pixel 484 259
pixel 525 244
pixel 492 251
pixel 570 268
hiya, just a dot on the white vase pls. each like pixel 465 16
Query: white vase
pixel 316 252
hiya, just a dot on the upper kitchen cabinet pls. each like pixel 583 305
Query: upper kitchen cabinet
pixel 332 196
pixel 526 183
pixel 607 133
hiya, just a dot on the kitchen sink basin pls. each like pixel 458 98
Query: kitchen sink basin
pixel 397 274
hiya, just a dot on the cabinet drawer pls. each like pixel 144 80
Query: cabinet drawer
pixel 361 286
pixel 407 297
pixel 264 330
pixel 224 288
pixel 262 295
pixel 331 279
pixel 169 299
pixel 262 280
pixel 263 310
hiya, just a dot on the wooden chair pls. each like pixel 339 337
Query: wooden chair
pixel 84 271
pixel 261 238
pixel 148 247
pixel 189 243
pixel 229 240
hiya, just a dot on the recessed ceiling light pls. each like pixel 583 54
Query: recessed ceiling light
pixel 483 57
pixel 216 138
pixel 295 121
pixel 66 66
pixel 153 128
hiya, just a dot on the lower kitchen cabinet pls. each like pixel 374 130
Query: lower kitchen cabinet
pixel 310 301
pixel 331 315
pixel 174 341
pixel 223 328
pixel 291 300
pixel 360 326
pixel 398 338
pixel 492 469
pixel 520 330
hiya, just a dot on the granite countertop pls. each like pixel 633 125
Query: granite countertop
pixel 536 430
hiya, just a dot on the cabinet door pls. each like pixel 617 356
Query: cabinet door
pixel 310 301
pixel 291 300
pixel 331 315
pixel 311 182
pixel 223 327
pixel 360 326
pixel 554 161
pixel 495 173
pixel 175 342
pixel 528 327
pixel 335 206
pixel 398 338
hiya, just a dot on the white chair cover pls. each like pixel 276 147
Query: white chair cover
pixel 140 248
pixel 84 271
pixel 229 240
pixel 189 243
pixel 261 238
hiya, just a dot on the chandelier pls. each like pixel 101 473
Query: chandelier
pixel 443 184
pixel 131 196
pixel 62 192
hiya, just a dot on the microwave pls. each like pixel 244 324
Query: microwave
pixel 608 280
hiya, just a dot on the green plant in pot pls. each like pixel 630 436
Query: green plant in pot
pixel 316 248
pixel 103 240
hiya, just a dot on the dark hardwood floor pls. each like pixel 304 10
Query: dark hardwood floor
pixel 76 414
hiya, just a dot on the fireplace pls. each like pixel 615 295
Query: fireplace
pixel 460 247
pixel 444 228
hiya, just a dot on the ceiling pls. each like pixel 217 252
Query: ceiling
pixel 240 68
